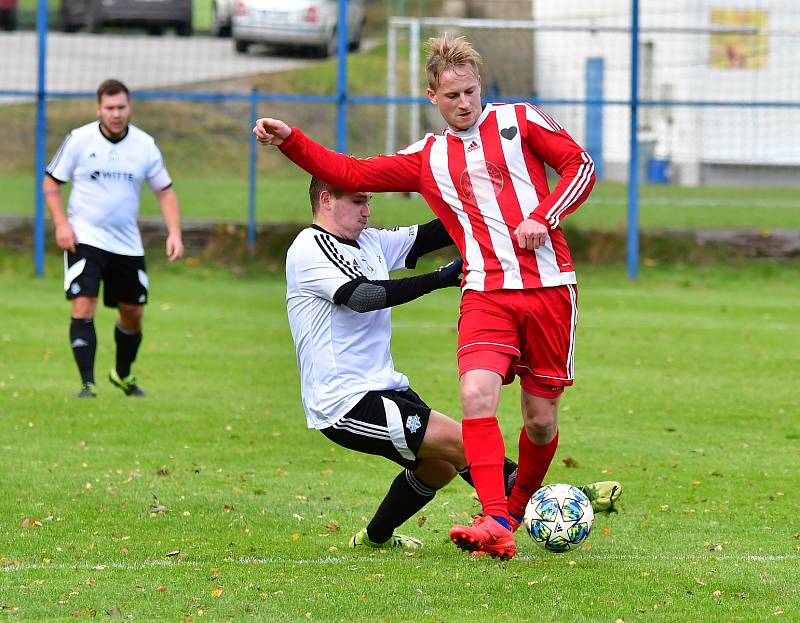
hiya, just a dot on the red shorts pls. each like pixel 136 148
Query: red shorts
pixel 529 333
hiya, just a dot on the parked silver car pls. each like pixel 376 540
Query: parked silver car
pixel 153 15
pixel 310 24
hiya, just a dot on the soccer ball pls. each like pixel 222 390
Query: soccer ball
pixel 559 517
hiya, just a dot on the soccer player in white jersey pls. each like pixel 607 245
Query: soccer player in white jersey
pixel 338 295
pixel 107 161
pixel 485 178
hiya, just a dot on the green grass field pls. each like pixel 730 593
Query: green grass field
pixel 686 392
pixel 283 198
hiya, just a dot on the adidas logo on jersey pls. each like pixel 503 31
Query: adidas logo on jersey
pixel 473 146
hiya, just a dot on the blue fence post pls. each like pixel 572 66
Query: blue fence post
pixel 251 200
pixel 41 138
pixel 595 69
pixel 633 165
pixel 341 83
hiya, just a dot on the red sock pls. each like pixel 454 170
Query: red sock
pixel 485 452
pixel 534 462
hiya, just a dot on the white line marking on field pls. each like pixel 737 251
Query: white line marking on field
pixel 333 560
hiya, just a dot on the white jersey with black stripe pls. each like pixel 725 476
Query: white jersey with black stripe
pixel 107 177
pixel 341 354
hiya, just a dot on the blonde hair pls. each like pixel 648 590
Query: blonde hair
pixel 448 52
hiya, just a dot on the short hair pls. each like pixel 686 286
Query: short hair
pixel 111 87
pixel 447 52
pixel 315 190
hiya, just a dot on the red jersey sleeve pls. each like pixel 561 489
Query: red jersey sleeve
pixel 397 173
pixel 553 145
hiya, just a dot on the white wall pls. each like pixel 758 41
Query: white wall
pixel 688 136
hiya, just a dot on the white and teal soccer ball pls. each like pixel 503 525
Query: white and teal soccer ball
pixel 559 517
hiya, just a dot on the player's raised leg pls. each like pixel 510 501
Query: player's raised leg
pixel 438 457
pixel 485 452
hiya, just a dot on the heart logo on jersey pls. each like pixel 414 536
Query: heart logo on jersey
pixel 508 133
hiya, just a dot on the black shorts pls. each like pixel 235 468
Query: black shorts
pixel 123 276
pixel 391 424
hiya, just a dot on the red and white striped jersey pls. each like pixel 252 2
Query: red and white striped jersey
pixel 481 182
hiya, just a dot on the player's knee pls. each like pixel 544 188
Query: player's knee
pixel 131 317
pixel 541 431
pixel 476 400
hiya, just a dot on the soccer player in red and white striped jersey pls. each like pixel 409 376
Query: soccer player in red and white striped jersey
pixel 485 178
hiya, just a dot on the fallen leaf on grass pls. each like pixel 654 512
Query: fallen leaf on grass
pixel 217 592
pixel 31 522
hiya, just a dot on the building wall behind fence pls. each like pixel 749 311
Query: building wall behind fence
pixel 729 99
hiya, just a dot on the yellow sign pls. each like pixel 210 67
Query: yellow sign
pixel 739 49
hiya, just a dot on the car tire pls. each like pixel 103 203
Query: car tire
pixel 331 46
pixel 9 20
pixel 219 28
pixel 184 29
pixel 355 44
pixel 241 46
pixel 94 19
pixel 65 24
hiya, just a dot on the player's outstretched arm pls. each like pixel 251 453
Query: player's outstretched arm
pixel 270 131
pixel 363 295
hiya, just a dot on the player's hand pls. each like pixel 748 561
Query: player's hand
pixel 66 238
pixel 174 247
pixel 271 131
pixel 531 234
pixel 450 274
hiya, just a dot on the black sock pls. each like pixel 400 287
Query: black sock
pixel 509 474
pixel 407 495
pixel 83 338
pixel 127 347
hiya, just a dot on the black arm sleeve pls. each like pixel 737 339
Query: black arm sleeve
pixel 430 237
pixel 363 295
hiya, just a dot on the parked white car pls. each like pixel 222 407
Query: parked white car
pixel 311 24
